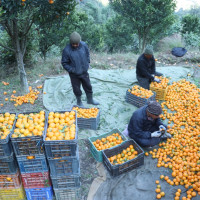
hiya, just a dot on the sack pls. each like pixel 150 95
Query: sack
pixel 178 51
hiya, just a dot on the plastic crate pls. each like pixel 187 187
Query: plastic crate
pixel 39 193
pixel 67 194
pixel 8 164
pixel 116 170
pixel 5 144
pixel 29 145
pixel 10 181
pixel 61 148
pixel 5 148
pixel 98 154
pixel 37 164
pixel 63 182
pixel 12 194
pixel 138 101
pixel 160 92
pixel 88 123
pixel 64 166
pixel 36 180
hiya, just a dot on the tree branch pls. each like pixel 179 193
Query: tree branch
pixel 27 30
pixel 8 48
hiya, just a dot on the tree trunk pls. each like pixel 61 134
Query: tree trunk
pixel 140 42
pixel 21 71
pixel 20 49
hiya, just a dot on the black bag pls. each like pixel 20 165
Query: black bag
pixel 179 51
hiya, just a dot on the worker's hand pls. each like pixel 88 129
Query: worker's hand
pixel 161 127
pixel 156 134
pixel 157 80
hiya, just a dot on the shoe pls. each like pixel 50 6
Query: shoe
pixel 79 102
pixel 90 99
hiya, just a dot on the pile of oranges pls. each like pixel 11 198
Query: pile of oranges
pixel 86 112
pixel 29 125
pixel 162 85
pixel 28 98
pixel 61 126
pixel 127 154
pixel 6 124
pixel 108 142
pixel 182 152
pixel 5 83
pixel 140 92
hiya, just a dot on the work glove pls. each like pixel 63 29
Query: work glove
pixel 156 134
pixel 166 135
pixel 156 80
pixel 162 128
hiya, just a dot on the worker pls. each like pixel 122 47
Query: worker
pixel 145 68
pixel 146 127
pixel 76 60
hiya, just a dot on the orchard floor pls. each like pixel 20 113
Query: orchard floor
pixel 109 89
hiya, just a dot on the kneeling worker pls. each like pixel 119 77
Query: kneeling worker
pixel 145 125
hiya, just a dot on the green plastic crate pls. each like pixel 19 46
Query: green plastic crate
pixel 98 154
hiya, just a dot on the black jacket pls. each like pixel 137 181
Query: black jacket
pixel 139 126
pixel 145 67
pixel 76 61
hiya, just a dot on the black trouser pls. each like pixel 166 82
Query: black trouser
pixel 77 80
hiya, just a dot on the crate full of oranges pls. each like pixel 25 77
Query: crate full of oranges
pixel 138 96
pixel 123 158
pixel 7 123
pixel 105 141
pixel 87 118
pixel 160 88
pixel 28 131
pixel 61 134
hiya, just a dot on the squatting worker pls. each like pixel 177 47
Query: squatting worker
pixel 76 60
pixel 145 68
pixel 145 125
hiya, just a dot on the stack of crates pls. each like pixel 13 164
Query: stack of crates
pixel 63 158
pixel 10 181
pixel 28 147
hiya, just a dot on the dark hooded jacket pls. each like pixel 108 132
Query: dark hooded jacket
pixel 145 67
pixel 140 127
pixel 76 61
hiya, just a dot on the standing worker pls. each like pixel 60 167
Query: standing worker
pixel 76 60
pixel 145 68
pixel 146 127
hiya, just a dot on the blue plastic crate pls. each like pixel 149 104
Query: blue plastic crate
pixel 138 101
pixel 8 164
pixel 64 166
pixel 37 164
pixel 39 193
pixel 66 181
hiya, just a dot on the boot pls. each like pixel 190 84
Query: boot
pixel 90 99
pixel 79 102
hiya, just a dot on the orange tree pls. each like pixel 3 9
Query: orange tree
pixel 18 16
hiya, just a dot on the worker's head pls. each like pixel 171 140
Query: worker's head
pixel 148 52
pixel 75 39
pixel 154 109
